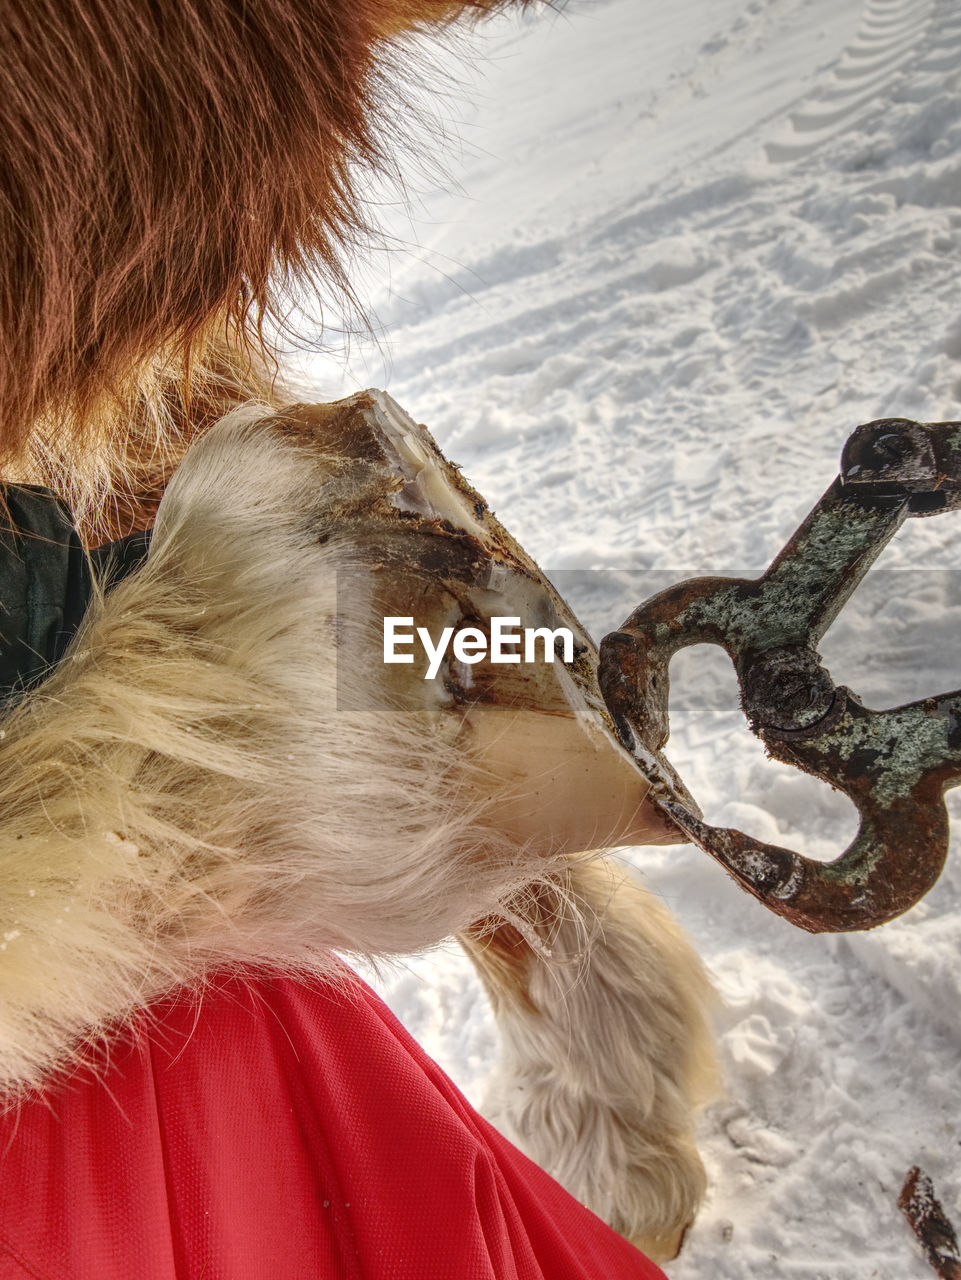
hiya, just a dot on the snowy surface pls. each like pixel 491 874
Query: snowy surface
pixel 682 250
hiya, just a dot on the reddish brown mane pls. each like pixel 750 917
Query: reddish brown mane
pixel 167 171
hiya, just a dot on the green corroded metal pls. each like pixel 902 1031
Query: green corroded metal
pixel 894 764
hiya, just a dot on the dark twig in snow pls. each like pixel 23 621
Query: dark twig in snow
pixel 937 1237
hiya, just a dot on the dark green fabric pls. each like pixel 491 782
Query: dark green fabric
pixel 114 560
pixel 46 583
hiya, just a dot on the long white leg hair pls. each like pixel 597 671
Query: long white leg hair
pixel 607 1052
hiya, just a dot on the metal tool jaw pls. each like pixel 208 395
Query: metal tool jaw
pixel 894 764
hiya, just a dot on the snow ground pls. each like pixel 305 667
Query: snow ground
pixel 682 251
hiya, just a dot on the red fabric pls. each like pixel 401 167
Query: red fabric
pixel 277 1130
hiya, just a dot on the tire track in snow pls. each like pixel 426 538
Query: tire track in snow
pixel 894 34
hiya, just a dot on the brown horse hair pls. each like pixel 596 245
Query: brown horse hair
pixel 172 176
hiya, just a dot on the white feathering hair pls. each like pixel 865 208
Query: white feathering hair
pixel 184 791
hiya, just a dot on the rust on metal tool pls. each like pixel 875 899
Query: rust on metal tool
pixel 895 764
